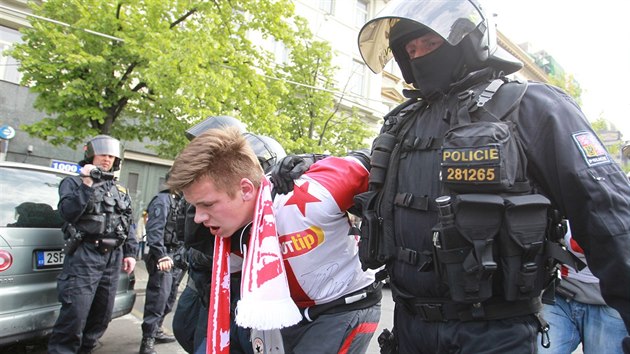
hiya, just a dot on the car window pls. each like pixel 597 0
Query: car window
pixel 29 198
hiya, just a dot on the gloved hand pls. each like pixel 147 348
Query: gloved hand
pixel 199 260
pixel 179 258
pixel 289 168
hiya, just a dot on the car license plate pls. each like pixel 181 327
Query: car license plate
pixel 49 259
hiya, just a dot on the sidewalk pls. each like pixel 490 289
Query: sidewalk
pixel 124 334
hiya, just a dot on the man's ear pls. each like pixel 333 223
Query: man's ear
pixel 248 190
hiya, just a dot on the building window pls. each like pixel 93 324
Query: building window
pixel 357 78
pixel 361 14
pixel 281 53
pixel 9 66
pixel 132 182
pixel 328 6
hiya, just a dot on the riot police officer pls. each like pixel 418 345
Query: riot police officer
pixel 466 175
pixel 97 214
pixel 191 315
pixel 164 278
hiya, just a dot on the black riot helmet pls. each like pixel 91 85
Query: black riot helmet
pixel 102 145
pixel 462 23
pixel 267 149
pixel 214 122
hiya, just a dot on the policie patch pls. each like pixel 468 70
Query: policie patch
pixel 591 149
pixel 476 165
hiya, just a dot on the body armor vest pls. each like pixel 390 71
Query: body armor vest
pixel 493 231
pixel 106 215
pixel 173 219
pixel 170 230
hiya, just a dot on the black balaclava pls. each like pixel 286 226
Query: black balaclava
pixel 436 71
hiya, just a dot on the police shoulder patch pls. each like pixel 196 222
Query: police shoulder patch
pixel 121 189
pixel 591 148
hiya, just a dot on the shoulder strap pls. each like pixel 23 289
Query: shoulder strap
pixel 477 104
pixel 398 114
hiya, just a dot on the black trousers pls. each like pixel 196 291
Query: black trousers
pixel 160 297
pixel 190 320
pixel 86 289
pixel 516 335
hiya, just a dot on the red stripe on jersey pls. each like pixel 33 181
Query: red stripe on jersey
pixel 297 293
pixel 575 247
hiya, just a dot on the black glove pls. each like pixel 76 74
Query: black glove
pixel 387 342
pixel 199 260
pixel 289 168
pixel 179 258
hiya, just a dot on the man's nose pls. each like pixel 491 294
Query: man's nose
pixel 200 217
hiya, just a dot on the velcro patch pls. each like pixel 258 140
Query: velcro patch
pixel 591 149
pixel 477 165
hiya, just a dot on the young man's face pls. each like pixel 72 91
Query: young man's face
pixel 216 210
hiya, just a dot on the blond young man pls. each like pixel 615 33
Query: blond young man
pixel 220 175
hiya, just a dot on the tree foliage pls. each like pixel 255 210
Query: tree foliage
pixel 569 85
pixel 176 63
pixel 312 119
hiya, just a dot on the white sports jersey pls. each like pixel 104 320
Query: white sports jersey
pixel 585 274
pixel 320 257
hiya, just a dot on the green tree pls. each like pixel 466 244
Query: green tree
pixel 165 65
pixel 313 120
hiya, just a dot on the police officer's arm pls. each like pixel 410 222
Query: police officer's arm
pixel 579 176
pixel 74 197
pixel 158 212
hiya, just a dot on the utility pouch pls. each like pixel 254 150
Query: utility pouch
pixel 370 251
pixel 106 245
pixel 465 248
pixel 91 224
pixel 108 204
pixel 379 160
pixel 522 240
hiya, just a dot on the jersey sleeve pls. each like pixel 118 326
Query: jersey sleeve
pixel 343 177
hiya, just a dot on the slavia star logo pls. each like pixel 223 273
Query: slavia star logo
pixel 301 196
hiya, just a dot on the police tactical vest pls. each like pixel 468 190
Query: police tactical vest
pixel 170 230
pixel 107 213
pixel 171 226
pixel 492 236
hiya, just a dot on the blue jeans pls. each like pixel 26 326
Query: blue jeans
pixel 599 328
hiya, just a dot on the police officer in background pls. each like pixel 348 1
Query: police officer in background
pixel 164 278
pixel 493 159
pixel 97 212
pixel 191 315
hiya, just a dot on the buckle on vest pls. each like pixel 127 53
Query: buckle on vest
pixel 404 199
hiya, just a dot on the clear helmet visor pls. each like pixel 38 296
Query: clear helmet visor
pixel 214 122
pixel 452 20
pixel 106 146
pixel 268 150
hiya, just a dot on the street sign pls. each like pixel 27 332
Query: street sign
pixel 7 132
pixel 65 166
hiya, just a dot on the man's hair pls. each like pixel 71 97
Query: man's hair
pixel 224 155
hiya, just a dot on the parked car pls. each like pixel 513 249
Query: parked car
pixel 31 254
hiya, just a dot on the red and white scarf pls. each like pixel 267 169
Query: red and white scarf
pixel 265 297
